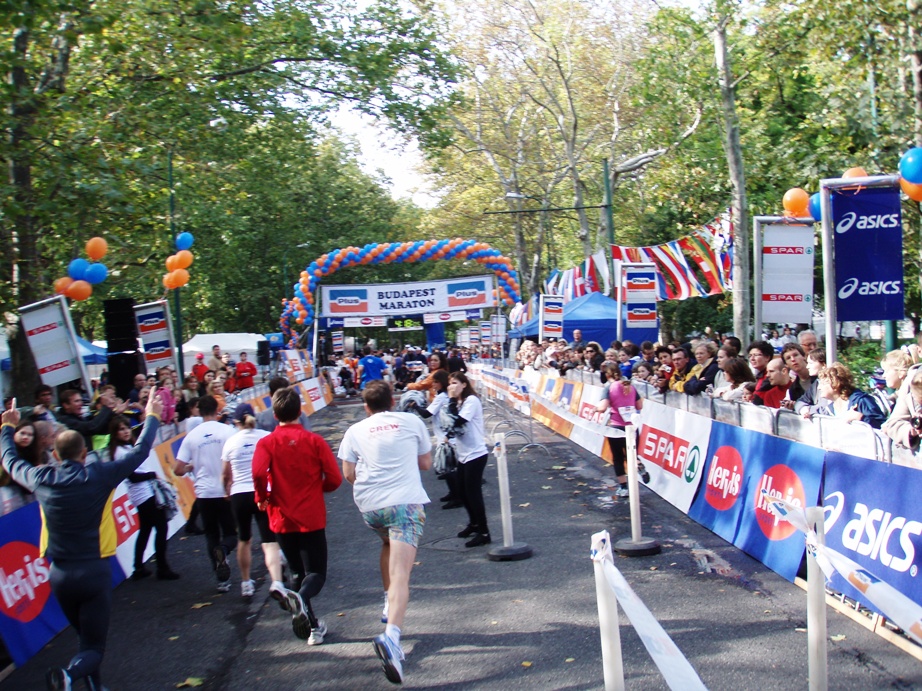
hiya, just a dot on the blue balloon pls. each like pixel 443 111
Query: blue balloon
pixel 815 209
pixel 184 241
pixel 95 273
pixel 911 166
pixel 77 269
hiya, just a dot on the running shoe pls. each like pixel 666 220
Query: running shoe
pixel 221 568
pixel 317 634
pixel 384 611
pixel 224 586
pixel 300 624
pixel 279 593
pixel 644 475
pixel 478 540
pixel 57 679
pixel 390 655
pixel 622 492
pixel 247 588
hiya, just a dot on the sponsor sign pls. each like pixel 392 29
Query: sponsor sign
pixel 327 323
pixel 337 341
pixel 360 322
pixel 787 273
pixel 398 299
pixel 53 342
pixel 672 444
pixel 464 337
pixel 873 516
pixel 550 313
pixel 454 316
pixel 739 465
pixel 486 333
pixel 499 329
pixel 642 316
pixel 474 336
pixel 868 254
pixel 639 284
pixel 639 303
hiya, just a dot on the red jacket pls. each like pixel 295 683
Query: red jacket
pixel 299 467
pixel 772 396
pixel 245 373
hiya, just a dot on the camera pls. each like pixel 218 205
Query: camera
pixel 916 422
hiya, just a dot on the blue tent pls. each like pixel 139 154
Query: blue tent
pixel 92 355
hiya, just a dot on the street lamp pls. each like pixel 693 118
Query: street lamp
pixel 177 317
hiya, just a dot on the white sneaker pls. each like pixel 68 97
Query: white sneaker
pixel 391 655
pixel 316 637
pixel 300 623
pixel 247 588
pixel 224 586
pixel 279 593
pixel 622 492
pixel 384 611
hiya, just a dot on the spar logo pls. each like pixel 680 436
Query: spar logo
pixel 853 285
pixel 24 586
pixel 467 293
pixel 867 222
pixel 785 297
pixel 876 533
pixel 671 453
pixel 349 300
pixel 787 250
pixel 779 482
pixel 725 478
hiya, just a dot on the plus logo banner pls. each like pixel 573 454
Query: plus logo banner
pixel 868 254
pixel 443 298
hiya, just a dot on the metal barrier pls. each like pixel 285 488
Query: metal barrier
pixel 757 418
pixel 793 426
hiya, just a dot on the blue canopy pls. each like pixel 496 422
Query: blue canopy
pixel 92 355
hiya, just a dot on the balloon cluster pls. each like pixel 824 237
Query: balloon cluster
pixel 911 174
pixel 83 275
pixel 798 203
pixel 177 265
pixel 300 308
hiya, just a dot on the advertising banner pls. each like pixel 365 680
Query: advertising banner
pixel 550 317
pixel 337 341
pixel 641 322
pixel 358 322
pixel 396 299
pixel 474 332
pixel 873 516
pixel 155 329
pixel 486 333
pixel 499 329
pixel 53 342
pixel 673 445
pixel 868 254
pixel 464 337
pixel 456 316
pixel 740 464
pixel 787 273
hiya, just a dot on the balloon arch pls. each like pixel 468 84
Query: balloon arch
pixel 300 308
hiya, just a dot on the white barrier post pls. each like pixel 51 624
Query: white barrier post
pixel 609 626
pixel 638 545
pixel 816 607
pixel 511 550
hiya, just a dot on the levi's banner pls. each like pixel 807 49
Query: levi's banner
pixel 550 322
pixel 873 516
pixel 868 254
pixel 673 445
pixel 787 273
pixel 396 299
pixel 740 464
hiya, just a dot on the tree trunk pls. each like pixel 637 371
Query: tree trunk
pixel 734 151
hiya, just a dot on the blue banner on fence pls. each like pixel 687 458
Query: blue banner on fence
pixel 740 464
pixel 868 254
pixel 874 517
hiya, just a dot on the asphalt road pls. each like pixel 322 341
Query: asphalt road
pixel 477 624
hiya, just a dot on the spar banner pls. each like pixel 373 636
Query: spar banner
pixel 740 464
pixel 550 317
pixel 156 333
pixel 53 342
pixel 868 254
pixel 395 299
pixel 673 445
pixel 873 516
pixel 787 273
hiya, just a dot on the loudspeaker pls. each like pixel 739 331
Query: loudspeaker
pixel 262 353
pixel 121 326
pixel 122 369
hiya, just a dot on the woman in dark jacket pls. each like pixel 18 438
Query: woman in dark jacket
pixel 704 371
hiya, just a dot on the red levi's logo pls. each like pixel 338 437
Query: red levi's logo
pixel 782 483
pixel 663 449
pixel 725 478
pixel 24 586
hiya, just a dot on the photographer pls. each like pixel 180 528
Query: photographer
pixel 904 426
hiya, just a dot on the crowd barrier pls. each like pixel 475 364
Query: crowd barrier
pixel 29 614
pixel 718 462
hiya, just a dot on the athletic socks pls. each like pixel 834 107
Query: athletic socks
pixel 392 631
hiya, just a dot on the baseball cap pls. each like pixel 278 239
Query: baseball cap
pixel 242 411
pixel 199 356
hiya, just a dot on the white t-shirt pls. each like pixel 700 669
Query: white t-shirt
pixel 191 423
pixel 435 409
pixel 139 492
pixel 471 443
pixel 385 448
pixel 238 451
pixel 201 448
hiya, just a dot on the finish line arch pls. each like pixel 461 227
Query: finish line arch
pixel 300 308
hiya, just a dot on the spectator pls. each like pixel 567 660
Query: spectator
pixel 71 414
pixel 139 381
pixel 200 368
pixel 437 361
pixel 846 401
pixel 215 363
pixel 807 341
pixel 904 426
pixel 724 354
pixel 787 336
pixel 456 362
pixel 896 365
pixel 681 369
pixel 749 390
pixel 737 374
pixel 207 380
pixel 577 339
pixel 642 371
pixel 266 419
pixel 704 371
pixel 13 495
pixel 245 371
pixel 46 432
pixel 796 361
pixel 811 402
pixel 759 352
pixel 648 353
pixel 774 385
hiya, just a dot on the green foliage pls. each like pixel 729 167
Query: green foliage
pixel 861 358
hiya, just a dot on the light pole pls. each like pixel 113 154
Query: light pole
pixel 177 317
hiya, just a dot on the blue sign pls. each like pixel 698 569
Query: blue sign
pixel 327 323
pixel 868 254
pixel 873 517
pixel 740 464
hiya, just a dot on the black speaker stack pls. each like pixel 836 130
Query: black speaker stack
pixel 124 360
pixel 262 353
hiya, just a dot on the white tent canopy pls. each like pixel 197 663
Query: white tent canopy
pixel 233 343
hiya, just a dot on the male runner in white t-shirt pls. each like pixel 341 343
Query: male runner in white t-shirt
pixel 382 456
pixel 200 452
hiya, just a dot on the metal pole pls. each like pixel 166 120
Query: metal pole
pixel 609 626
pixel 638 545
pixel 176 300
pixel 757 276
pixel 511 550
pixel 610 222
pixel 816 608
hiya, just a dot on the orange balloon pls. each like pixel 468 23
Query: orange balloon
pixel 796 202
pixel 305 275
pixel 300 320
pixel 856 172
pixel 171 263
pixel 183 259
pixel 168 281
pixel 912 190
pixel 62 284
pixel 96 248
pixel 180 277
pixel 79 290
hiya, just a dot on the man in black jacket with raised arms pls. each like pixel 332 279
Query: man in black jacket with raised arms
pixel 78 532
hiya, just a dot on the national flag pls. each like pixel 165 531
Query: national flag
pixel 704 257
pixel 602 272
pixel 591 277
pixel 550 285
pixel 579 283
